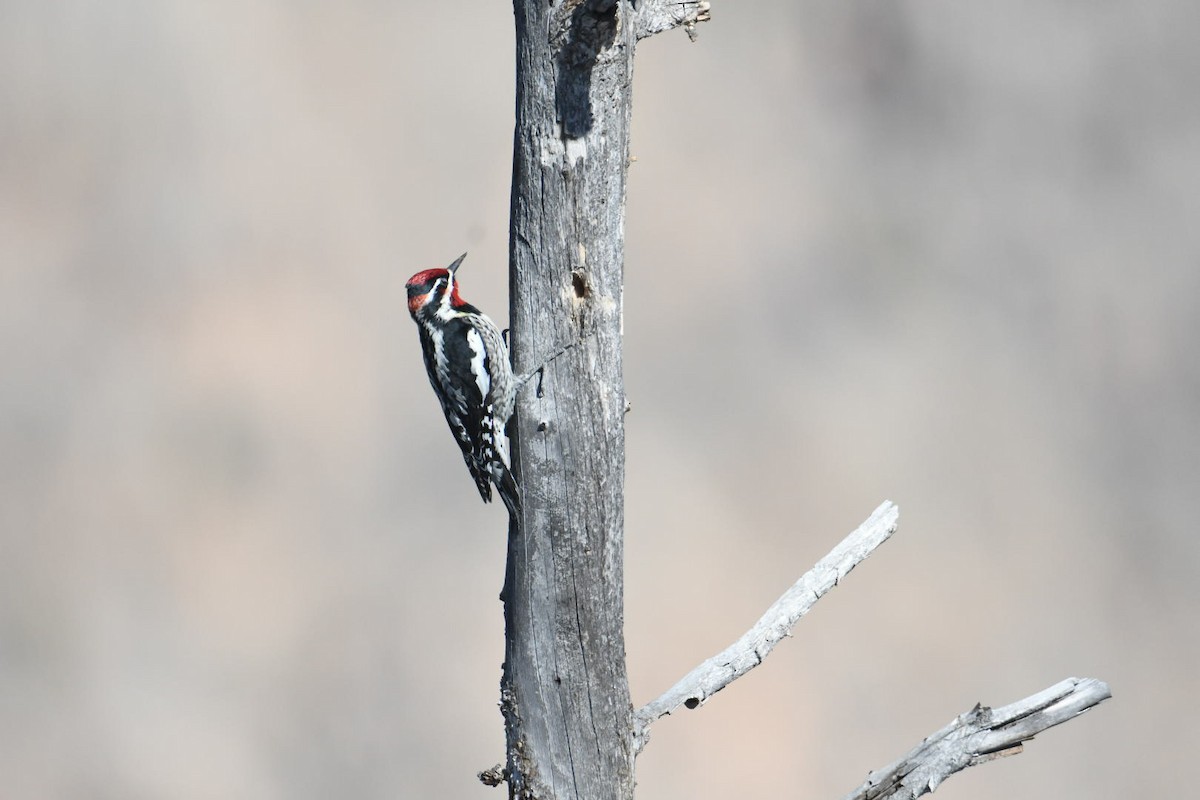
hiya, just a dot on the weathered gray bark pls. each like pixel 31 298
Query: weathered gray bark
pixel 564 691
pixel 756 644
pixel 569 724
pixel 978 736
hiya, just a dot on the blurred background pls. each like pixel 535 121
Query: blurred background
pixel 944 254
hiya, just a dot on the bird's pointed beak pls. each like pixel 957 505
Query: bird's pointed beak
pixel 454 267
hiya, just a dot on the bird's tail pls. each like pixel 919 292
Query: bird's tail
pixel 509 491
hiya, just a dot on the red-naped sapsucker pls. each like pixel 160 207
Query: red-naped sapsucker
pixel 468 365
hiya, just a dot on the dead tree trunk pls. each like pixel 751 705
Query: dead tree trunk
pixel 570 728
pixel 565 696
pixel 564 691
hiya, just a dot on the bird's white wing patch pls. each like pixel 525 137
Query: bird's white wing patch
pixel 478 356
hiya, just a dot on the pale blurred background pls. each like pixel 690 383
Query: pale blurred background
pixel 942 253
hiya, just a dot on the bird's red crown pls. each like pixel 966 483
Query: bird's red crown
pixel 419 286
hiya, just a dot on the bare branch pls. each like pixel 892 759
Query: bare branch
pixel 749 651
pixel 980 735
pixel 656 16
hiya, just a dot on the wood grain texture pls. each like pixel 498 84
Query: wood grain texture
pixel 978 736
pixel 657 16
pixel 571 731
pixel 564 690
pixel 754 645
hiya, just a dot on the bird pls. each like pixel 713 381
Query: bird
pixel 471 373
